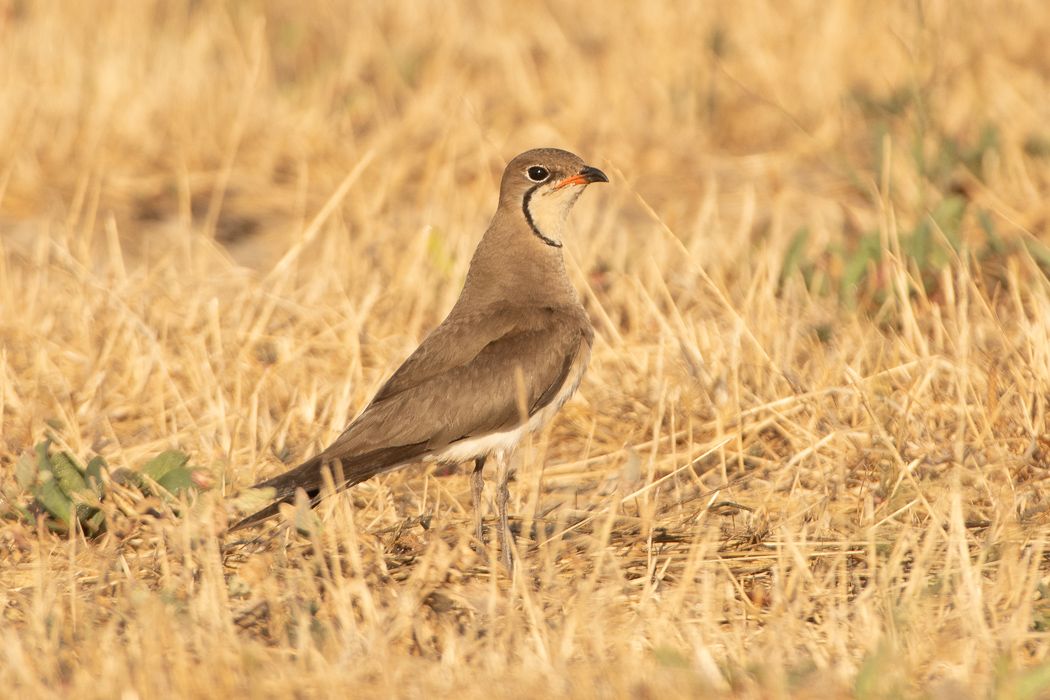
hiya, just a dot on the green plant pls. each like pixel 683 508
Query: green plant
pixel 57 488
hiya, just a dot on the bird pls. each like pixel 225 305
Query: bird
pixel 510 353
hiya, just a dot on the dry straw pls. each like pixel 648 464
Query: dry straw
pixel 809 456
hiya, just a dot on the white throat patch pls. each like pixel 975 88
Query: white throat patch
pixel 549 208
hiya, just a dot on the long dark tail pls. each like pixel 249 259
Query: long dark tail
pixel 349 470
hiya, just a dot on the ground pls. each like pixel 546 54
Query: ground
pixel 810 454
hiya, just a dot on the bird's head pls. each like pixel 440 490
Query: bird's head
pixel 543 184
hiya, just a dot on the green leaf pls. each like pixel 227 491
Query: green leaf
pixel 126 477
pixel 84 513
pixel 670 657
pixel 1044 591
pixel 163 463
pixel 68 474
pixel 25 470
pixel 949 214
pixel 995 241
pixel 96 522
pixel 58 484
pixel 1033 682
pixel 177 480
pixel 25 513
pixel 53 499
pixel 793 255
pixel 43 463
pixel 1038 251
pixel 94 471
pixel 856 267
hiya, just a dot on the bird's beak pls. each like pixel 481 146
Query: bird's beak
pixel 585 177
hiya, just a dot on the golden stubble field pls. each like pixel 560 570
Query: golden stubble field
pixel 808 459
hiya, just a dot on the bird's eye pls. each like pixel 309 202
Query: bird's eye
pixel 538 173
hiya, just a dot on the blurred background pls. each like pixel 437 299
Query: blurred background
pixel 818 278
pixel 780 122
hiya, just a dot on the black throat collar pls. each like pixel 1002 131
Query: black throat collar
pixel 532 224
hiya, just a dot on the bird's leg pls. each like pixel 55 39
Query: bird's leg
pixel 506 540
pixel 477 484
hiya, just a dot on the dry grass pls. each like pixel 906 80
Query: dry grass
pixel 773 483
